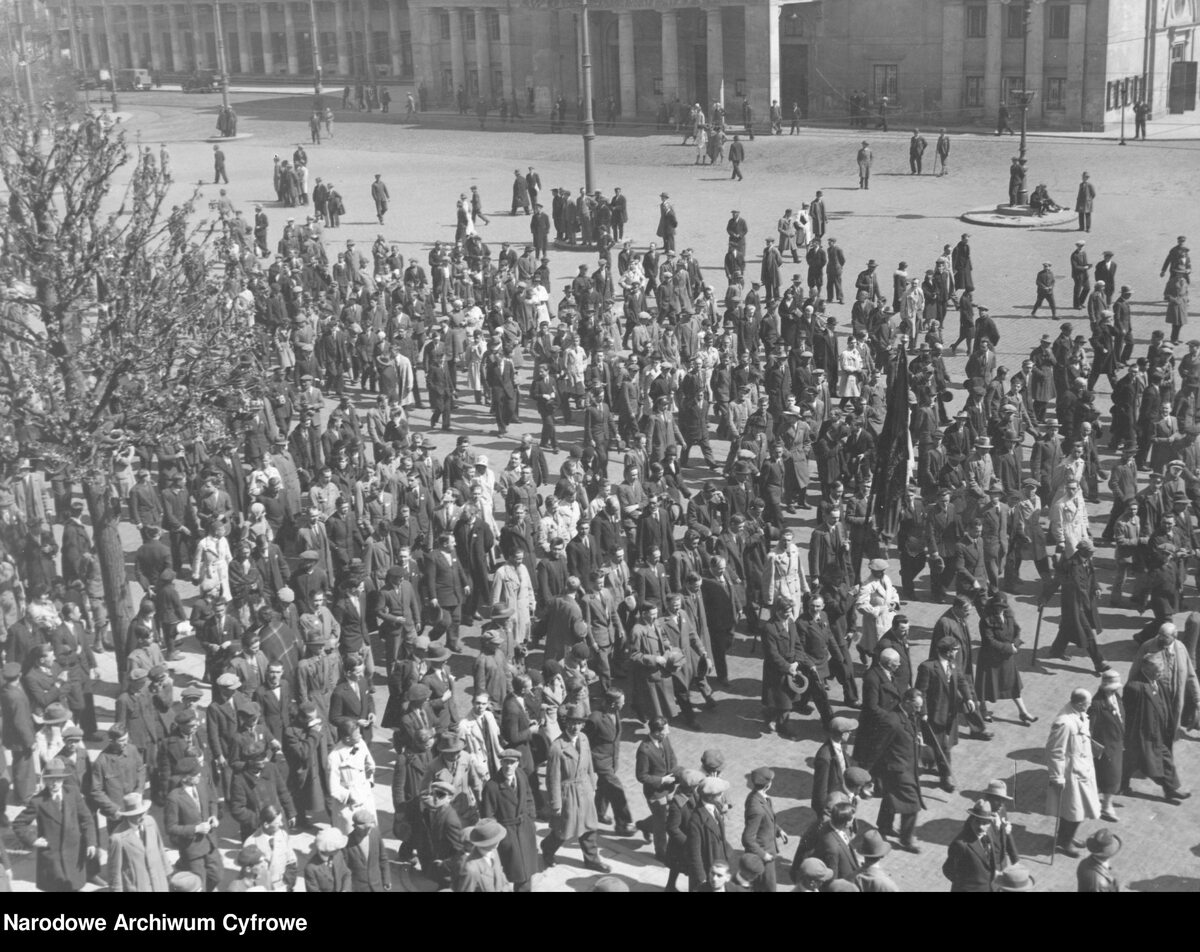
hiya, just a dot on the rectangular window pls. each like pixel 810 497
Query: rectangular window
pixel 976 21
pixel 472 82
pixel 448 83
pixel 444 24
pixel 493 25
pixel 1056 93
pixel 169 55
pixel 1010 89
pixel 1014 21
pixel 329 50
pixel 974 93
pixel 468 26
pixel 279 51
pixel 406 56
pixel 498 90
pixel 658 85
pixel 1058 22
pixel 381 53
pixel 1112 95
pixel 885 82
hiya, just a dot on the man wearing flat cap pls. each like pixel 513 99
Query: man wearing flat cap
pixel 706 840
pixel 257 785
pixel 831 763
pixel 761 836
pixel 508 801
pixel 365 855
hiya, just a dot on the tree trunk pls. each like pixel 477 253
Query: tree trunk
pixel 106 539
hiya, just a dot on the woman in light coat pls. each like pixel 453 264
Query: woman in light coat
pixel 512 589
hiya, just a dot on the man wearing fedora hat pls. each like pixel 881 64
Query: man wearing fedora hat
pixel 441 844
pixel 137 861
pixel 483 871
pixel 57 823
pixel 1094 874
pixel 1071 795
pixel 571 792
pixel 872 877
pixel 971 857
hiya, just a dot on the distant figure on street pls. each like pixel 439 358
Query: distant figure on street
pixel 219 166
pixel 865 158
pixel 737 155
pixel 1083 203
pixel 916 152
pixel 941 154
pixel 1002 121
pixel 379 193
pixel 1141 112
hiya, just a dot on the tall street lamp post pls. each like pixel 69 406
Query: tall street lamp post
pixel 589 125
pixel 1025 95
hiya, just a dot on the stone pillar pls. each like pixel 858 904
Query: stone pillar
pixel 368 63
pixel 506 66
pixel 422 45
pixel 953 83
pixel 264 19
pixel 458 54
pixel 394 37
pixel 991 61
pixel 198 45
pixel 483 58
pixel 670 55
pixel 177 62
pixel 245 59
pixel 156 46
pixel 1074 97
pixel 716 56
pixel 762 57
pixel 110 38
pixel 289 39
pixel 629 103
pixel 343 45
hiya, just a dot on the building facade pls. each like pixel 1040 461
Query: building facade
pixel 937 61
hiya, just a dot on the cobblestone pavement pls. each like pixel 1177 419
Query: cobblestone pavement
pixel 1141 206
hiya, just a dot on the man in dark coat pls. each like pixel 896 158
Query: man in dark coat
pixel 706 842
pixel 603 731
pixel 190 822
pixel 896 767
pixel 500 377
pixel 445 588
pixel 667 223
pixel 58 824
pixel 258 785
pixel 831 763
pixel 948 694
pixel 971 858
pixel 1149 733
pixel 1080 609
pixel 17 734
pixel 539 229
pixel 508 800
pixel 365 856
pixel 760 835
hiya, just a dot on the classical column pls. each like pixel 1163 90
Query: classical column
pixel 483 58
pixel 953 83
pixel 629 104
pixel 762 56
pixel 343 48
pixel 156 44
pixel 177 63
pixel 422 44
pixel 991 60
pixel 716 56
pixel 506 67
pixel 199 47
pixel 670 55
pixel 245 60
pixel 268 48
pixel 394 37
pixel 110 38
pixel 289 39
pixel 458 52
pixel 368 65
pixel 1076 91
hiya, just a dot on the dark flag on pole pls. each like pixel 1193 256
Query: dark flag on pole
pixel 893 453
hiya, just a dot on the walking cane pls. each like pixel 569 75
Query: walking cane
pixel 1057 823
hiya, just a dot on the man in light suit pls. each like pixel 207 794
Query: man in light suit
pixel 365 856
pixel 190 818
pixel 136 859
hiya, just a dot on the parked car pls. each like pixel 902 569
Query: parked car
pixel 134 79
pixel 202 81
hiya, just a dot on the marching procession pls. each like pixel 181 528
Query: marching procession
pixel 378 602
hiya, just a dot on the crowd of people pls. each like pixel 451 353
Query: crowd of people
pixel 335 552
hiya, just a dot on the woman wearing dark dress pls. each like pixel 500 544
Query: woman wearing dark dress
pixel 1107 718
pixel 996 674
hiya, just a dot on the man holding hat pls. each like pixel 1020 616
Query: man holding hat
pixel 571 792
pixel 57 823
pixel 137 861
pixel 971 858
pixel 306 746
